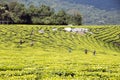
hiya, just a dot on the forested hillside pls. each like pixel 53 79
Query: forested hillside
pixel 101 4
pixel 93 12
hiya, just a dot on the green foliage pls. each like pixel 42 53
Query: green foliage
pixel 61 17
pixel 19 14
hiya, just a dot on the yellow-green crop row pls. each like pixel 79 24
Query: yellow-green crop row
pixel 59 55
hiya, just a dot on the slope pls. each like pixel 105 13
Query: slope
pixel 33 52
pixel 101 4
pixel 91 13
pixel 103 38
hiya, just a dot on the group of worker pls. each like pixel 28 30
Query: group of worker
pixel 86 52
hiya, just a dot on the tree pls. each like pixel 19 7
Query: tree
pixel 75 17
pixel 5 14
pixel 47 21
pixel 40 15
pixel 12 6
pixel 20 14
pixel 32 10
pixel 61 18
pixel 45 11
pixel 2 10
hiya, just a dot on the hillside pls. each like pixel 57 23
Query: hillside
pixel 53 37
pixel 34 52
pixel 92 12
pixel 101 4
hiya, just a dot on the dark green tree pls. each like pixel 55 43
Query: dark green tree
pixel 19 14
pixel 61 18
pixel 75 17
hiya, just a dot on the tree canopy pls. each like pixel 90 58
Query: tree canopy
pixel 17 13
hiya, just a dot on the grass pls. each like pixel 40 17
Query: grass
pixel 50 57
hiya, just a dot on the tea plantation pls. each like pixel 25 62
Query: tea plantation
pixel 36 52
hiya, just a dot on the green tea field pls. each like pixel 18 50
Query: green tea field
pixel 50 52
